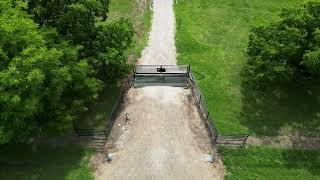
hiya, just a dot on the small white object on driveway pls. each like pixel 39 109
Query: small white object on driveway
pixel 109 157
pixel 207 158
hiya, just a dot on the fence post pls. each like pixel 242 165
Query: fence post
pixel 134 72
pixel 245 139
pixel 216 137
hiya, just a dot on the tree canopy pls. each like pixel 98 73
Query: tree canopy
pixel 55 57
pixel 288 49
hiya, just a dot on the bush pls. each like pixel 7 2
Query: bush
pixel 52 55
pixel 287 49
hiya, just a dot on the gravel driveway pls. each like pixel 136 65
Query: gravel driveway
pixel 164 137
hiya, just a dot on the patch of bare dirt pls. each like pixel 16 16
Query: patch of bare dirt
pixel 293 142
pixel 141 6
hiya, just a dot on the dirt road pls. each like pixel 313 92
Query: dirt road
pixel 164 137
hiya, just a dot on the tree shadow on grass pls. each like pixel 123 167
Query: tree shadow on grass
pixel 271 163
pixel 20 162
pixel 282 109
pixel 99 112
pixel 297 159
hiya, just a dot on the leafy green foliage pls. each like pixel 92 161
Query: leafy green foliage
pixel 81 22
pixel 112 41
pixel 50 66
pixel 311 59
pixel 288 48
pixel 40 87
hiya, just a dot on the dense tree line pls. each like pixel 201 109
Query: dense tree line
pixel 288 50
pixel 55 57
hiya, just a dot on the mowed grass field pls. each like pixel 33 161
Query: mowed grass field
pixel 19 162
pixel 270 163
pixel 212 36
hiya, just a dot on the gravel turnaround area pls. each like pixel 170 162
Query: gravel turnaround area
pixel 159 134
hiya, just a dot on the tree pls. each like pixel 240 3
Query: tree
pixel 311 59
pixel 43 85
pixel 83 23
pixel 111 42
pixel 55 57
pixel 288 48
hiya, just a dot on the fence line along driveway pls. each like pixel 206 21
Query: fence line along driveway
pixel 164 137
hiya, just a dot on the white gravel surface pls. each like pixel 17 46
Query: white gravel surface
pixel 161 48
pixel 165 137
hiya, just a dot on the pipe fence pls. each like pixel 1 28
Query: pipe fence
pixel 126 85
pixel 216 138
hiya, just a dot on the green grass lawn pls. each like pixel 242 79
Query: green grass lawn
pixel 270 163
pixel 20 162
pixel 212 36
